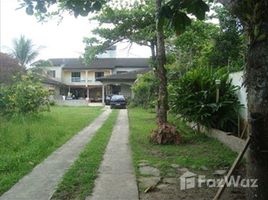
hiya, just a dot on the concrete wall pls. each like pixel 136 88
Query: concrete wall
pixel 237 80
pixel 234 143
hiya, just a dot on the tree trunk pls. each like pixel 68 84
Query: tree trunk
pixel 153 48
pixel 253 14
pixel 257 85
pixel 161 71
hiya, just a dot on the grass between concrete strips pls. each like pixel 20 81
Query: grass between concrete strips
pixel 196 151
pixel 78 182
pixel 25 141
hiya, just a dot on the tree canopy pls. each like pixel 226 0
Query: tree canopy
pixel 174 12
pixel 135 24
pixel 9 67
pixel 230 43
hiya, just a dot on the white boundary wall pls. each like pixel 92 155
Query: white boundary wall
pixel 237 80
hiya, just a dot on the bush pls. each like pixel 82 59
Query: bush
pixel 25 95
pixel 145 90
pixel 193 96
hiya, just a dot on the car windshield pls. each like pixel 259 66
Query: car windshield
pixel 118 97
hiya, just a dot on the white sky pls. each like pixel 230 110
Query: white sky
pixel 63 40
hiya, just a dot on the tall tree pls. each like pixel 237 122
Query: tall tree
pixel 174 13
pixel 229 44
pixel 191 49
pixel 135 24
pixel 161 70
pixel 253 15
pixel 23 50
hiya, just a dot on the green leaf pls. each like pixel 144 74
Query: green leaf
pixel 180 21
pixel 29 10
pixel 197 8
pixel 261 37
pixel 97 6
pixel 166 12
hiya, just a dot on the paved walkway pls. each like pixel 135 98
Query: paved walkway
pixel 42 181
pixel 117 179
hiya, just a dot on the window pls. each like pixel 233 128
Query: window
pixel 51 73
pixel 99 74
pixel 76 76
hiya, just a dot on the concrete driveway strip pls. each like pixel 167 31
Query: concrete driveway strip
pixel 116 179
pixel 42 181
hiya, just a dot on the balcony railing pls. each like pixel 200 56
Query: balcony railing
pixel 77 79
pixel 91 80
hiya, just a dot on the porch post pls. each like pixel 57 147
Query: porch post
pixel 86 77
pixel 87 94
pixel 103 96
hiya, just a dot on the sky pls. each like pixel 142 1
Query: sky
pixel 55 40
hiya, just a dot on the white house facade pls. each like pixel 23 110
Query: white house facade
pixel 92 82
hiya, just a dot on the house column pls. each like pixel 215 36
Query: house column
pixel 87 94
pixel 86 76
pixel 103 96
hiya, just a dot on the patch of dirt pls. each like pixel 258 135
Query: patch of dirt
pixel 173 191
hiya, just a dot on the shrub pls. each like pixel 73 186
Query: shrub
pixel 193 96
pixel 145 89
pixel 25 95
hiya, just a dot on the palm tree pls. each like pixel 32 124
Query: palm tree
pixel 23 50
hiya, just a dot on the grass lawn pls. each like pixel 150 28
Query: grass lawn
pixel 26 141
pixel 78 182
pixel 196 151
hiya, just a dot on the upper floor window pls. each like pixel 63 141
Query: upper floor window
pixel 99 74
pixel 51 73
pixel 76 76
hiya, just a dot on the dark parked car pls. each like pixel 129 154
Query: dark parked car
pixel 118 101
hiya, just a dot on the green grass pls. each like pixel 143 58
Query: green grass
pixel 26 141
pixel 195 151
pixel 78 182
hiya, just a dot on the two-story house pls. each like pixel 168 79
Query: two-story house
pixel 94 81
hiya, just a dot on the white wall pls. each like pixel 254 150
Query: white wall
pixel 58 72
pixel 237 80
